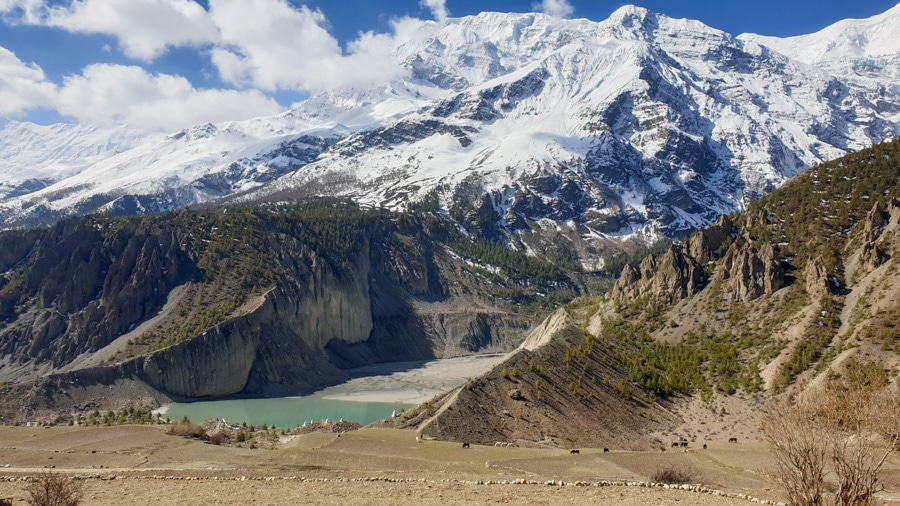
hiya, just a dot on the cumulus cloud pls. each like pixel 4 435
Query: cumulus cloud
pixel 22 87
pixel 104 94
pixel 22 11
pixel 555 8
pixel 438 8
pixel 116 93
pixel 256 46
pixel 144 28
pixel 271 45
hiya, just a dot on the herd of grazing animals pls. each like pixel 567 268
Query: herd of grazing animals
pixel 683 443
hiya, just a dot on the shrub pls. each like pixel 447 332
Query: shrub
pixel 53 489
pixel 189 430
pixel 852 420
pixel 673 475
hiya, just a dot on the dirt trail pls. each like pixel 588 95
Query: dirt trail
pixel 370 466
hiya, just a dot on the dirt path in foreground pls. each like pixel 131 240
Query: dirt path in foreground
pixel 215 492
pixel 132 464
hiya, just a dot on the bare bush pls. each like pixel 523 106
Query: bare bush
pixel 54 489
pixel 851 420
pixel 799 443
pixel 189 430
pixel 864 430
pixel 675 475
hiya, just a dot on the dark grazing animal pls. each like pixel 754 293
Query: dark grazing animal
pixel 465 445
pixel 574 451
pixel 732 440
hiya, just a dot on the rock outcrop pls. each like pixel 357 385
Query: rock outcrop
pixel 872 255
pixel 816 276
pixel 80 289
pixel 750 272
pixel 704 245
pixel 670 277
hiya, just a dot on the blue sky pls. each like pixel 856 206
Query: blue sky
pixel 168 64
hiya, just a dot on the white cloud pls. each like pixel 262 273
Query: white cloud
pixel 116 93
pixel 438 8
pixel 22 87
pixel 22 11
pixel 259 46
pixel 555 8
pixel 144 28
pixel 271 45
pixel 105 94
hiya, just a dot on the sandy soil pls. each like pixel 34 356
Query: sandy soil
pixel 411 382
pixel 370 466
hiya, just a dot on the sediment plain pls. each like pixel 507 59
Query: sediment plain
pixel 371 466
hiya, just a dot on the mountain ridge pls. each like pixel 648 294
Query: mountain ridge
pixel 638 126
pixel 800 288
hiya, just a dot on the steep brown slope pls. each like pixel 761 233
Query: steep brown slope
pixel 562 387
pixel 257 300
pixel 800 285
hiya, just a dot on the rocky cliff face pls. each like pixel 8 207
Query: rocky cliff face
pixel 279 346
pixel 704 246
pixel 671 277
pixel 79 288
pixel 751 272
pixel 249 302
pixel 746 270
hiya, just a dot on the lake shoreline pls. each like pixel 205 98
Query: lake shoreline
pixel 373 393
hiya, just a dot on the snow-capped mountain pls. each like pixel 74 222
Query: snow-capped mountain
pixel 857 49
pixel 640 124
pixel 33 156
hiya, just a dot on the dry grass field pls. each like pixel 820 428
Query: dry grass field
pixel 128 464
pixel 137 463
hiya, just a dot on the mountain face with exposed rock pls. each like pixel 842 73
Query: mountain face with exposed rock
pixel 521 126
pixel 801 287
pixel 258 300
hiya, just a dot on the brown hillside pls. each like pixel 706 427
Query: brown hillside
pixel 800 285
pixel 563 387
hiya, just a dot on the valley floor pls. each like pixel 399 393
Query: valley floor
pixel 143 462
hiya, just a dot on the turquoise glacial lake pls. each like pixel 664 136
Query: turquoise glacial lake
pixel 374 393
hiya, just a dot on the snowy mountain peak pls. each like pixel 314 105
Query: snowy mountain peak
pixel 634 18
pixel 518 125
pixel 860 48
